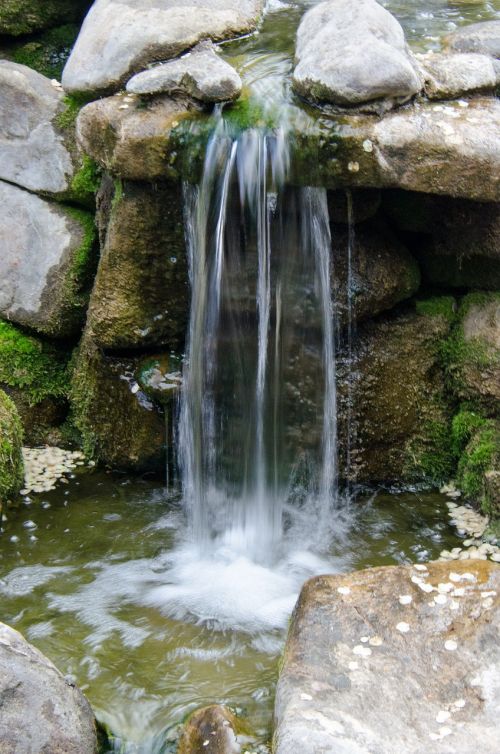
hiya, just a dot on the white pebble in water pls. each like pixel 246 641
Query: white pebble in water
pixel 405 599
pixel 403 627
pixel 29 525
pixel 458 704
pixel 376 641
pixel 353 665
pixel 428 588
pixel 420 567
pixel 450 645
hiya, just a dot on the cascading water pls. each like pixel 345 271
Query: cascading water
pixel 261 339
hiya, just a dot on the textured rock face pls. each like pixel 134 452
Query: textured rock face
pixel 11 462
pixel 448 76
pixel 129 138
pixel 425 678
pixel 32 151
pixel 118 39
pixel 211 730
pixel 483 38
pixel 45 263
pixel 119 424
pixel 26 16
pixel 400 415
pixel 41 711
pixel 353 54
pixel 140 294
pixel 200 74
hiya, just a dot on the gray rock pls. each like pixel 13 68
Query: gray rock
pixel 449 76
pixel 119 38
pixel 41 711
pixel 353 54
pixel 45 262
pixel 200 74
pixel 32 150
pixel 432 688
pixel 483 37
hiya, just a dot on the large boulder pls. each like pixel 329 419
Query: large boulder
pixel 33 151
pixel 119 424
pixel 354 54
pixel 201 74
pixel 393 659
pixel 392 402
pixel 140 296
pixel 449 76
pixel 131 138
pixel 483 37
pixel 47 262
pixel 41 710
pixel 120 38
pixel 26 16
pixel 11 460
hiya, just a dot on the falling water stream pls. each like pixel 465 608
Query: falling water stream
pixel 159 603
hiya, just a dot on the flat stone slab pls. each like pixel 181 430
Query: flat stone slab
pixel 121 37
pixel 41 711
pixel 200 74
pixel 449 76
pixel 32 150
pixel 391 660
pixel 354 54
pixel 483 37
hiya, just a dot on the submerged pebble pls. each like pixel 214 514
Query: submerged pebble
pixel 44 467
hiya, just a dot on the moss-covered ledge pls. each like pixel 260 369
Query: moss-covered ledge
pixel 11 460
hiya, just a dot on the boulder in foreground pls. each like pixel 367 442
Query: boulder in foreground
pixel 394 659
pixel 41 711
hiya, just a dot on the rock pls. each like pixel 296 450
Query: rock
pixel 457 242
pixel 140 296
pixel 492 492
pixel 11 460
pixel 26 16
pixel 430 688
pixel 383 272
pixel 34 373
pixel 483 37
pixel 346 206
pixel 119 424
pixel 478 470
pixel 47 262
pixel 473 352
pixel 33 153
pixel 41 710
pixel 131 138
pixel 449 76
pixel 354 55
pixel 400 416
pixel 210 730
pixel 118 39
pixel 160 377
pixel 200 74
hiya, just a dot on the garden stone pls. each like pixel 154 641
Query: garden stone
pixel 449 76
pixel 483 37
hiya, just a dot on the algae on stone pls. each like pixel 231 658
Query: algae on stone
pixel 19 17
pixel 11 460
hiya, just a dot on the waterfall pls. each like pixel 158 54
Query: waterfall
pixel 258 419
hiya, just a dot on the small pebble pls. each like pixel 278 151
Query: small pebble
pixel 420 567
pixel 376 641
pixel 450 645
pixel 362 651
pixel 405 599
pixel 403 627
pixel 343 590
pixel 442 716
pixel 440 599
pixel 353 665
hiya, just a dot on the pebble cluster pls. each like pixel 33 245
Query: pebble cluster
pixel 44 467
pixel 474 526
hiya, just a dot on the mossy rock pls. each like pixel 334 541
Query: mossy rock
pixel 161 378
pixel 119 425
pixel 479 468
pixel 213 730
pixel 471 355
pixel 11 459
pixel 18 17
pixel 35 375
pixel 48 52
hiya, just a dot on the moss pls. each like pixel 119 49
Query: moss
pixel 439 306
pixel 78 279
pixel 35 366
pixel 18 17
pixel 49 52
pixel 86 181
pixel 481 455
pixel 248 113
pixel 66 119
pixel 463 427
pixel 11 462
pixel 430 456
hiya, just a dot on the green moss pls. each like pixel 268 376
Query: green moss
pixel 463 427
pixel 18 17
pixel 11 462
pixel 66 119
pixel 86 181
pixel 439 306
pixel 35 366
pixel 248 113
pixel 481 455
pixel 81 273
pixel 430 456
pixel 49 52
